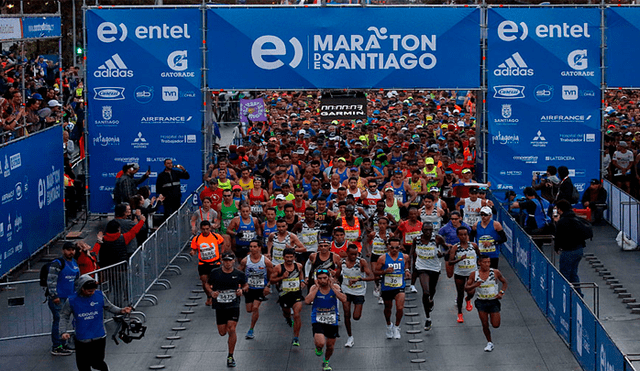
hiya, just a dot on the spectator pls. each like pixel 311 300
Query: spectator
pixel 622 162
pixel 565 188
pixel 568 242
pixel 63 273
pixel 114 243
pixel 534 212
pixel 168 185
pixel 124 217
pixel 87 257
pixel 595 198
pixel 547 183
pixel 128 185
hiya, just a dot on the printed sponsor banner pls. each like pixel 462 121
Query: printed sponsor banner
pixel 252 110
pixel 522 252
pixel 539 272
pixel 31 195
pixel 314 48
pixel 622 25
pixel 583 333
pixel 608 356
pixel 37 27
pixel 348 108
pixel 559 304
pixel 10 28
pixel 508 226
pixel 544 94
pixel 143 68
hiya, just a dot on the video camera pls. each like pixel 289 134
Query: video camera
pixel 128 329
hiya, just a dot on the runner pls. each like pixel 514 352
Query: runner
pixel 425 256
pixel 245 228
pixel 379 242
pixel 269 227
pixel 323 259
pixel 324 296
pixel 208 246
pixel 353 227
pixel 309 232
pixel 225 284
pixel 371 196
pixel 489 235
pixel 379 213
pixel 354 271
pixel 462 257
pixel 289 278
pixel 484 282
pixel 282 240
pixel 431 213
pixel 227 211
pixel 392 268
pixel 408 231
pixel 472 206
pixel 257 268
pixel 324 217
pixel 205 212
pixel 339 244
pixel 258 198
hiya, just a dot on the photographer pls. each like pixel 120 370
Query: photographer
pixel 536 220
pixel 547 183
pixel 88 318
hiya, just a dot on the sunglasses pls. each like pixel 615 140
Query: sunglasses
pixel 394 247
pixel 325 271
pixel 454 218
pixel 484 214
pixel 226 195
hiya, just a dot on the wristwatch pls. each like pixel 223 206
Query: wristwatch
pixel 502 292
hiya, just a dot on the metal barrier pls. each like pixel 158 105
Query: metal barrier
pixel 114 283
pixel 24 311
pixel 568 313
pixel 623 211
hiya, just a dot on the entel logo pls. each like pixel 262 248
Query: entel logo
pixel 258 51
pixel 108 32
pixel 510 30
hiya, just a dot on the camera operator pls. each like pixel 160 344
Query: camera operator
pixel 536 220
pixel 547 183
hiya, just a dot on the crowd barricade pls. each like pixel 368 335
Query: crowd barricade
pixel 114 283
pixel 569 314
pixel 23 310
pixel 622 212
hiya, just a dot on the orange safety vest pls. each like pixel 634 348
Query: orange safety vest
pixel 208 248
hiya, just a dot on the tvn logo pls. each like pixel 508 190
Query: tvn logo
pixel 570 92
pixel 113 67
pixel 513 66
pixel 170 93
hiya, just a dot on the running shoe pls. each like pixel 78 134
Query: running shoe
pixel 318 352
pixel 350 342
pixel 396 332
pixel 427 325
pixel 231 362
pixel 380 300
pixel 250 334
pixel 489 347
pixel 376 292
pixel 390 332
pixel 460 318
pixel 61 351
pixel 289 321
pixel 69 348
pixel 325 366
pixel 469 306
pixel 413 289
pixel 295 342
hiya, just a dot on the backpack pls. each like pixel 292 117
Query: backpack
pixel 585 229
pixel 44 271
pixel 575 198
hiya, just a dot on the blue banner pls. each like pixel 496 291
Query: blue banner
pixel 583 333
pixel 543 94
pixel 38 27
pixel 508 225
pixel 608 356
pixel 623 24
pixel 522 251
pixel 32 190
pixel 144 78
pixel 539 273
pixel 324 47
pixel 559 304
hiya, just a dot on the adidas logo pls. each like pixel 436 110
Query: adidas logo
pixel 113 67
pixel 513 66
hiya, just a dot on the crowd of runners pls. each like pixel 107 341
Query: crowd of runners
pixel 309 210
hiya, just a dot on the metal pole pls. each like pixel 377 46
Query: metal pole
pixel 204 88
pixel 603 81
pixel 75 41
pixel 483 123
pixel 84 108
pixel 60 69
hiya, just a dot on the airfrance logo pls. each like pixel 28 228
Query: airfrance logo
pixel 113 67
pixel 508 92
pixel 109 32
pixel 510 31
pixel 513 66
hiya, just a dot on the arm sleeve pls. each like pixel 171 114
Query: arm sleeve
pixel 52 278
pixel 184 175
pixel 132 233
pixel 65 318
pixel 503 237
pixel 108 306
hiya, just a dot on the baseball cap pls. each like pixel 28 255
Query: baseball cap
pixel 37 96
pixel 623 144
pixel 326 185
pixel 465 171
pixel 300 151
pixel 281 197
pixel 342 159
pixel 237 187
pixel 228 256
pixel 429 161
pixel 354 169
pixel 434 189
pixel 69 246
pixel 595 181
pixel 54 103
pixel 388 189
pixel 486 210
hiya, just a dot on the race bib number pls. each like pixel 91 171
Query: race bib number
pixel 399 198
pixel 328 318
pixel 393 280
pixel 468 263
pixel 487 291
pixel 351 235
pixel 256 281
pixel 291 284
pixel 410 236
pixel 486 249
pixel 379 247
pixel 227 296
pixel 225 224
pixel 471 219
pixel 309 238
pixel 207 253
pixel 248 236
pixel 426 252
pixel 356 285
pixel 256 209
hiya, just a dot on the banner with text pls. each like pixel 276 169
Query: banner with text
pixel 144 76
pixel 322 47
pixel 31 211
pixel 346 108
pixel 622 25
pixel 39 27
pixel 543 94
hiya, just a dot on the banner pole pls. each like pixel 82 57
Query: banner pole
pixel 204 91
pixel 603 82
pixel 484 124
pixel 85 131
